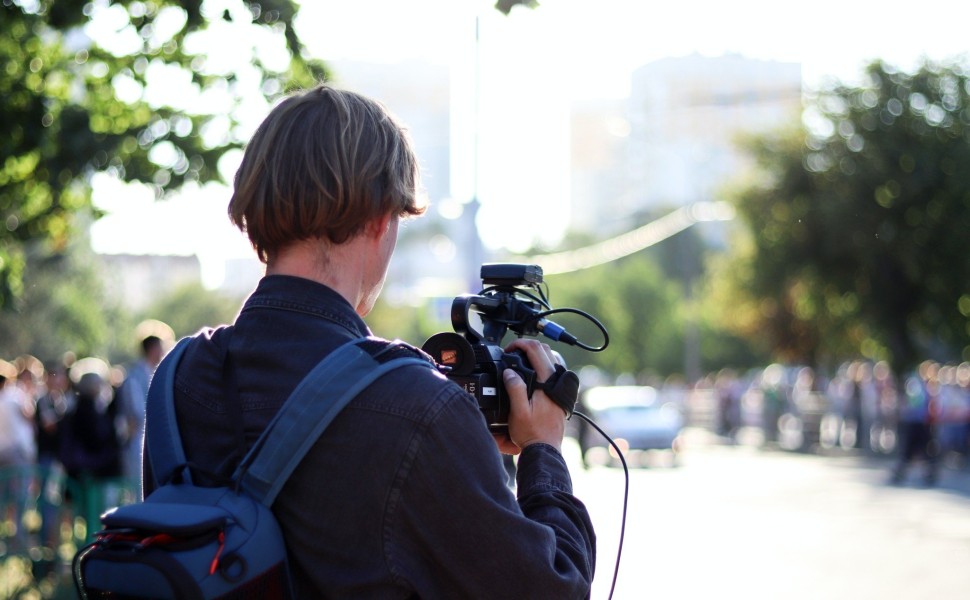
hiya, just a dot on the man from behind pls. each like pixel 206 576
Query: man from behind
pixel 133 394
pixel 404 495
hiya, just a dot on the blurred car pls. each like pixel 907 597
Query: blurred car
pixel 636 417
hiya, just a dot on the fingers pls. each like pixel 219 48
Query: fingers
pixel 531 421
pixel 517 390
pixel 505 444
pixel 539 419
pixel 541 356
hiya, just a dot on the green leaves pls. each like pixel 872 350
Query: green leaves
pixel 506 6
pixel 121 88
pixel 861 234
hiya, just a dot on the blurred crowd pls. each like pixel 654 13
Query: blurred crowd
pixel 84 415
pixel 76 420
pixel 924 414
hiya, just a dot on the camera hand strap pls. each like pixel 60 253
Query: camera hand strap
pixel 562 387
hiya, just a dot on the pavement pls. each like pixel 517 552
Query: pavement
pixel 738 520
pixel 953 474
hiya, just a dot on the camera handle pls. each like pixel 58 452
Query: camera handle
pixel 493 331
pixel 520 364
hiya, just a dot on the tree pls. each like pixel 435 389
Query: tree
pixel 506 6
pixel 69 309
pixel 639 308
pixel 127 88
pixel 859 223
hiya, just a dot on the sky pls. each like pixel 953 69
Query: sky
pixel 520 80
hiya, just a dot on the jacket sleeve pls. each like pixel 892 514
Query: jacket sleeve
pixel 455 529
pixel 545 495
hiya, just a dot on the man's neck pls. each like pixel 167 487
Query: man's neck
pixel 337 266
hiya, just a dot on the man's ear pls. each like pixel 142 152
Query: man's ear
pixel 376 228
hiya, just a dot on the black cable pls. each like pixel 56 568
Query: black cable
pixel 626 495
pixel 588 317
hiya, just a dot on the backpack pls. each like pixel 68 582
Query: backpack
pixel 191 542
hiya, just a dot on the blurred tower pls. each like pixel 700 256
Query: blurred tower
pixel 599 138
pixel 419 94
pixel 432 252
pixel 686 115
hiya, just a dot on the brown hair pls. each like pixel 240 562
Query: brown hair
pixel 324 163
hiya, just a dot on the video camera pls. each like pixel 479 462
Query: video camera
pixel 513 299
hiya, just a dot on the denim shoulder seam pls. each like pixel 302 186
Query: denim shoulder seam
pixel 329 315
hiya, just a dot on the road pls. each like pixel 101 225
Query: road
pixel 738 522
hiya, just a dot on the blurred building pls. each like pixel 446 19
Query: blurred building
pixel 435 253
pixel 599 135
pixel 419 93
pixel 241 276
pixel 671 143
pixel 141 279
pixel 675 140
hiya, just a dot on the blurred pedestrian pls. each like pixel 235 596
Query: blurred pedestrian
pixel 774 400
pixel 17 449
pixel 88 442
pixel 917 424
pixel 728 388
pixel 134 392
pixel 49 411
pixel 30 374
pixel 954 412
pixel 16 430
pixel 886 411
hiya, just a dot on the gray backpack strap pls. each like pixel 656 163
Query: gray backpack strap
pixel 322 394
pixel 163 444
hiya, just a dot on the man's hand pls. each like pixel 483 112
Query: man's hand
pixel 539 420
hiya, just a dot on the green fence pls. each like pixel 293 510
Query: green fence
pixel 46 517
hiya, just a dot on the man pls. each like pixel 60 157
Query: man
pixel 17 449
pixel 134 393
pixel 404 495
pixel 918 418
pixel 51 408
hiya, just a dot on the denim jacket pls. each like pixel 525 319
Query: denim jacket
pixel 404 495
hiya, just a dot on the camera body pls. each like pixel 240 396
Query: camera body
pixel 473 356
